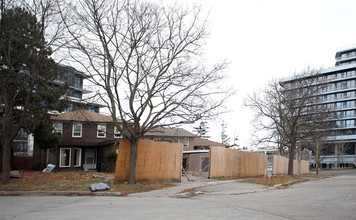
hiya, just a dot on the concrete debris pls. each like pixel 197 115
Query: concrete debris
pixel 15 174
pixel 49 168
pixel 99 187
pixel 278 186
pixel 184 195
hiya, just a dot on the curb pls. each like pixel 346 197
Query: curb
pixel 58 193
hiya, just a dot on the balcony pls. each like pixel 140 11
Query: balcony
pixel 346 56
pixel 345 107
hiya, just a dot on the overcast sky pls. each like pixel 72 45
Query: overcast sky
pixel 265 40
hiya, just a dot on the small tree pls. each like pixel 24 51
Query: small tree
pixel 146 61
pixel 340 150
pixel 235 145
pixel 26 95
pixel 225 139
pixel 317 142
pixel 202 130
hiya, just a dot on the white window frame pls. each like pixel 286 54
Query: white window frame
pixel 100 131
pixel 81 130
pixel 58 125
pixel 176 140
pixel 60 157
pixel 80 157
pixel 186 142
pixel 117 133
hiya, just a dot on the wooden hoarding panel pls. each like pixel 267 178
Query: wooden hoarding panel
pixel 233 163
pixel 156 161
pixel 280 166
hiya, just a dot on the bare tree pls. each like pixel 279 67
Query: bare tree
pixel 202 130
pixel 287 112
pixel 146 60
pixel 225 139
pixel 318 149
pixel 340 149
pixel 49 16
pixel 317 141
pixel 236 139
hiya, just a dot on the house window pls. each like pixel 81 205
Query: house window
pixel 101 131
pixel 21 142
pixel 58 128
pixel 77 130
pixel 77 157
pixel 186 142
pixel 117 133
pixel 176 140
pixel 64 157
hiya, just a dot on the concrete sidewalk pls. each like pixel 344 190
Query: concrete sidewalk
pixel 234 188
pixel 203 185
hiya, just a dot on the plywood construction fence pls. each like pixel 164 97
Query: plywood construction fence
pixel 304 167
pixel 226 162
pixel 156 161
pixel 280 165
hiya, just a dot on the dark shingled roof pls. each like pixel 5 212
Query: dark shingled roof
pixel 169 132
pixel 201 142
pixel 82 115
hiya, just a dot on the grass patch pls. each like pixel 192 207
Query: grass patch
pixel 227 178
pixel 285 180
pixel 72 185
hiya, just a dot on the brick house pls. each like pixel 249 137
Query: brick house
pixel 87 139
pixel 172 135
pixel 205 144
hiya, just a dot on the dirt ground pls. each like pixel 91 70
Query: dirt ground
pixel 38 176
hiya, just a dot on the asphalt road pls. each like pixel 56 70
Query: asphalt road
pixel 332 198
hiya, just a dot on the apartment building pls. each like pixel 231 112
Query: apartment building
pixel 76 90
pixel 339 93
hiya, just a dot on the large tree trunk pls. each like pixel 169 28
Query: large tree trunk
pixel 291 161
pixel 133 160
pixel 6 160
pixel 317 159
